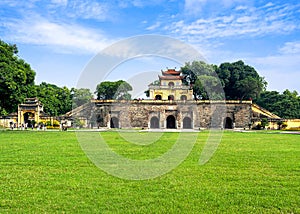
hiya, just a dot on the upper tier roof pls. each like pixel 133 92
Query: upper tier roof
pixel 171 72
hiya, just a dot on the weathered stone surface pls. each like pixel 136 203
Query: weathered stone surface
pixel 193 114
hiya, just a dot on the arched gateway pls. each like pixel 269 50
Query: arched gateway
pixel 171 122
pixel 187 123
pixel 30 110
pixel 114 122
pixel 154 123
pixel 228 123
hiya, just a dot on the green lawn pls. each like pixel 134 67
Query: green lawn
pixel 46 172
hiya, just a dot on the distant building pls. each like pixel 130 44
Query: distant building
pixel 30 110
pixel 171 106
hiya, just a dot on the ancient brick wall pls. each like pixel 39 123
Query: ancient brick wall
pixel 200 114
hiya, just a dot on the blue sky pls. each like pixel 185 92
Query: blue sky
pixel 58 38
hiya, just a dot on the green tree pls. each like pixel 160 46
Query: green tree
pixel 16 79
pixel 147 92
pixel 56 100
pixel 118 90
pixel 285 105
pixel 80 96
pixel 240 81
pixel 203 79
pixel 264 122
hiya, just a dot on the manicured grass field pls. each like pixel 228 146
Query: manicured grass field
pixel 46 172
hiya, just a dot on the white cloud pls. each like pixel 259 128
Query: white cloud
pixel 154 26
pixel 291 48
pixel 138 3
pixel 240 7
pixel 88 10
pixel 269 4
pixel 251 22
pixel 62 37
pixel 194 7
pixel 60 2
pixel 247 19
pixel 280 71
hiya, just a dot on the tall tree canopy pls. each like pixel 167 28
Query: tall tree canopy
pixel 56 100
pixel 80 96
pixel 16 79
pixel 118 90
pixel 285 105
pixel 240 81
pixel 202 77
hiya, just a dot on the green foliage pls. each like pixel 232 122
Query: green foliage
pixel 147 92
pixel 264 122
pixel 240 81
pixel 80 96
pixel 113 90
pixel 279 124
pixel 47 172
pixel 16 79
pixel 48 123
pixel 56 100
pixel 285 105
pixel 78 123
pixel 203 79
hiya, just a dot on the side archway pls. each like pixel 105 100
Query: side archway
pixel 158 97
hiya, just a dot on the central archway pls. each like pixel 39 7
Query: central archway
pixel 187 123
pixel 171 122
pixel 183 97
pixel 154 123
pixel 114 122
pixel 170 97
pixel 28 117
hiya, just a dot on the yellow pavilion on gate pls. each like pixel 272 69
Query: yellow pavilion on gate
pixel 170 87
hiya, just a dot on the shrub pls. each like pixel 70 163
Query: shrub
pixel 56 123
pixel 48 123
pixel 284 125
pixel 264 123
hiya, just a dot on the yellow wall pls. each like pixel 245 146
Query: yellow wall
pixel 291 123
pixel 260 110
pixel 177 93
pixel 177 83
pixel 6 122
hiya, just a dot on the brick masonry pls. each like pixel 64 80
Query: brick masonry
pixel 166 114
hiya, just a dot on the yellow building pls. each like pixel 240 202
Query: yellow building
pixel 31 109
pixel 170 87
